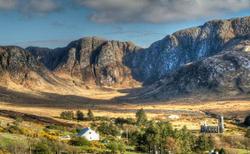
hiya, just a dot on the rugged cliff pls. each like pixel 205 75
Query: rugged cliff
pixel 20 66
pixel 98 61
pixel 91 59
pixel 224 74
pixel 190 45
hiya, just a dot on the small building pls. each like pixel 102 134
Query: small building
pixel 173 117
pixel 213 129
pixel 89 134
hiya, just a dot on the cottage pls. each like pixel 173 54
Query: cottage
pixel 89 134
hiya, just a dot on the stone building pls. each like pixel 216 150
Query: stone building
pixel 213 129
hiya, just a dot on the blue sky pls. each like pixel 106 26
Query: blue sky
pixel 54 23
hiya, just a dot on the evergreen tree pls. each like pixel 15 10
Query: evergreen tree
pixel 222 151
pixel 90 115
pixel 141 117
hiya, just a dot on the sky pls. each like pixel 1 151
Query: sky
pixel 55 23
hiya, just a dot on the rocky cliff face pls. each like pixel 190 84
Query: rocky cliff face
pixel 190 45
pixel 93 60
pixel 20 65
pixel 226 73
pixel 98 61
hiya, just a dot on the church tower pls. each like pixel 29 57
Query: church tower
pixel 221 124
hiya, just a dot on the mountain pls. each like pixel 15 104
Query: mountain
pixel 190 45
pixel 224 74
pixel 19 66
pixel 102 62
pixel 213 57
pixel 92 60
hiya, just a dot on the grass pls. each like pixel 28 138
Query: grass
pixel 239 151
pixel 7 139
pixel 51 102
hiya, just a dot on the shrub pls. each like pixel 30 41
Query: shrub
pixel 108 129
pixel 79 141
pixel 116 147
pixel 18 121
pixel 42 147
pixel 55 127
pixel 68 115
pixel 14 129
pixel 90 115
pixel 79 115
pixel 122 121
pixel 248 133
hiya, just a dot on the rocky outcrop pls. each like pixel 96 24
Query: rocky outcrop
pixel 190 45
pixel 20 65
pixel 227 73
pixel 102 62
pixel 91 59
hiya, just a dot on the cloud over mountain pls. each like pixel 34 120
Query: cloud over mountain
pixel 30 7
pixel 158 11
pixel 127 11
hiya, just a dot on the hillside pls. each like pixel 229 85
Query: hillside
pixel 226 74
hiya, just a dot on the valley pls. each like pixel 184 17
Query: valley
pixel 130 94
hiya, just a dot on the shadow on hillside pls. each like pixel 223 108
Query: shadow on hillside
pixel 48 99
pixel 136 95
pixel 51 100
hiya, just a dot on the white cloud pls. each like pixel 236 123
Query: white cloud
pixel 30 6
pixel 157 11
pixel 7 4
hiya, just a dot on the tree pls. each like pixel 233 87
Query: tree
pixel 90 115
pixel 222 151
pixel 153 137
pixel 204 143
pixel 108 129
pixel 247 121
pixel 171 145
pixel 141 117
pixel 68 115
pixel 185 140
pixel 79 115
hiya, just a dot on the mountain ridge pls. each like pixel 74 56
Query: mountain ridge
pixel 101 62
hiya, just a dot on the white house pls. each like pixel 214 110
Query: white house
pixel 89 134
pixel 173 117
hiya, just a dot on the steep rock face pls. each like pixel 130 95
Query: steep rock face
pixel 190 45
pixel 93 60
pixel 102 62
pixel 226 73
pixel 20 64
